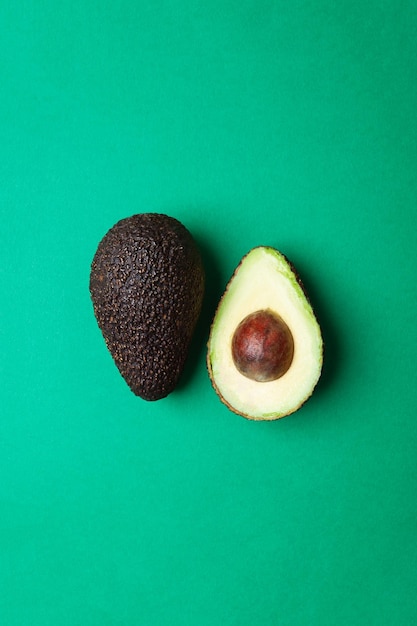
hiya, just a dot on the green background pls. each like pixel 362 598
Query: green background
pixel 291 124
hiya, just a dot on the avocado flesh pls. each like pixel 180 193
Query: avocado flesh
pixel 265 279
pixel 146 285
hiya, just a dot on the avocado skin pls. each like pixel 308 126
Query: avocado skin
pixel 147 285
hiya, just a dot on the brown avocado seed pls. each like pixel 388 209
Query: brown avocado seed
pixel 262 346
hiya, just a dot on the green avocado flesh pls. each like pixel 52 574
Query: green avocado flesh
pixel 146 285
pixel 265 281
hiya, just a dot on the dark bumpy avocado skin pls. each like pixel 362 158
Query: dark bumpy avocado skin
pixel 147 284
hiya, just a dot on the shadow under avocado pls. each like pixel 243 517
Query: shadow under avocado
pixel 213 291
pixel 333 349
pixel 215 284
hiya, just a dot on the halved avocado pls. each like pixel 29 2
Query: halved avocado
pixel 265 350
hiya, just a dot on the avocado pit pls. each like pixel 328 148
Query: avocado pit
pixel 262 346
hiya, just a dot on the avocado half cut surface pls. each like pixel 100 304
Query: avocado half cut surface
pixel 265 350
pixel 146 285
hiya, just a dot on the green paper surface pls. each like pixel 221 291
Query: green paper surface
pixel 287 124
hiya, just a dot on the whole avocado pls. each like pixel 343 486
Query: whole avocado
pixel 147 285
